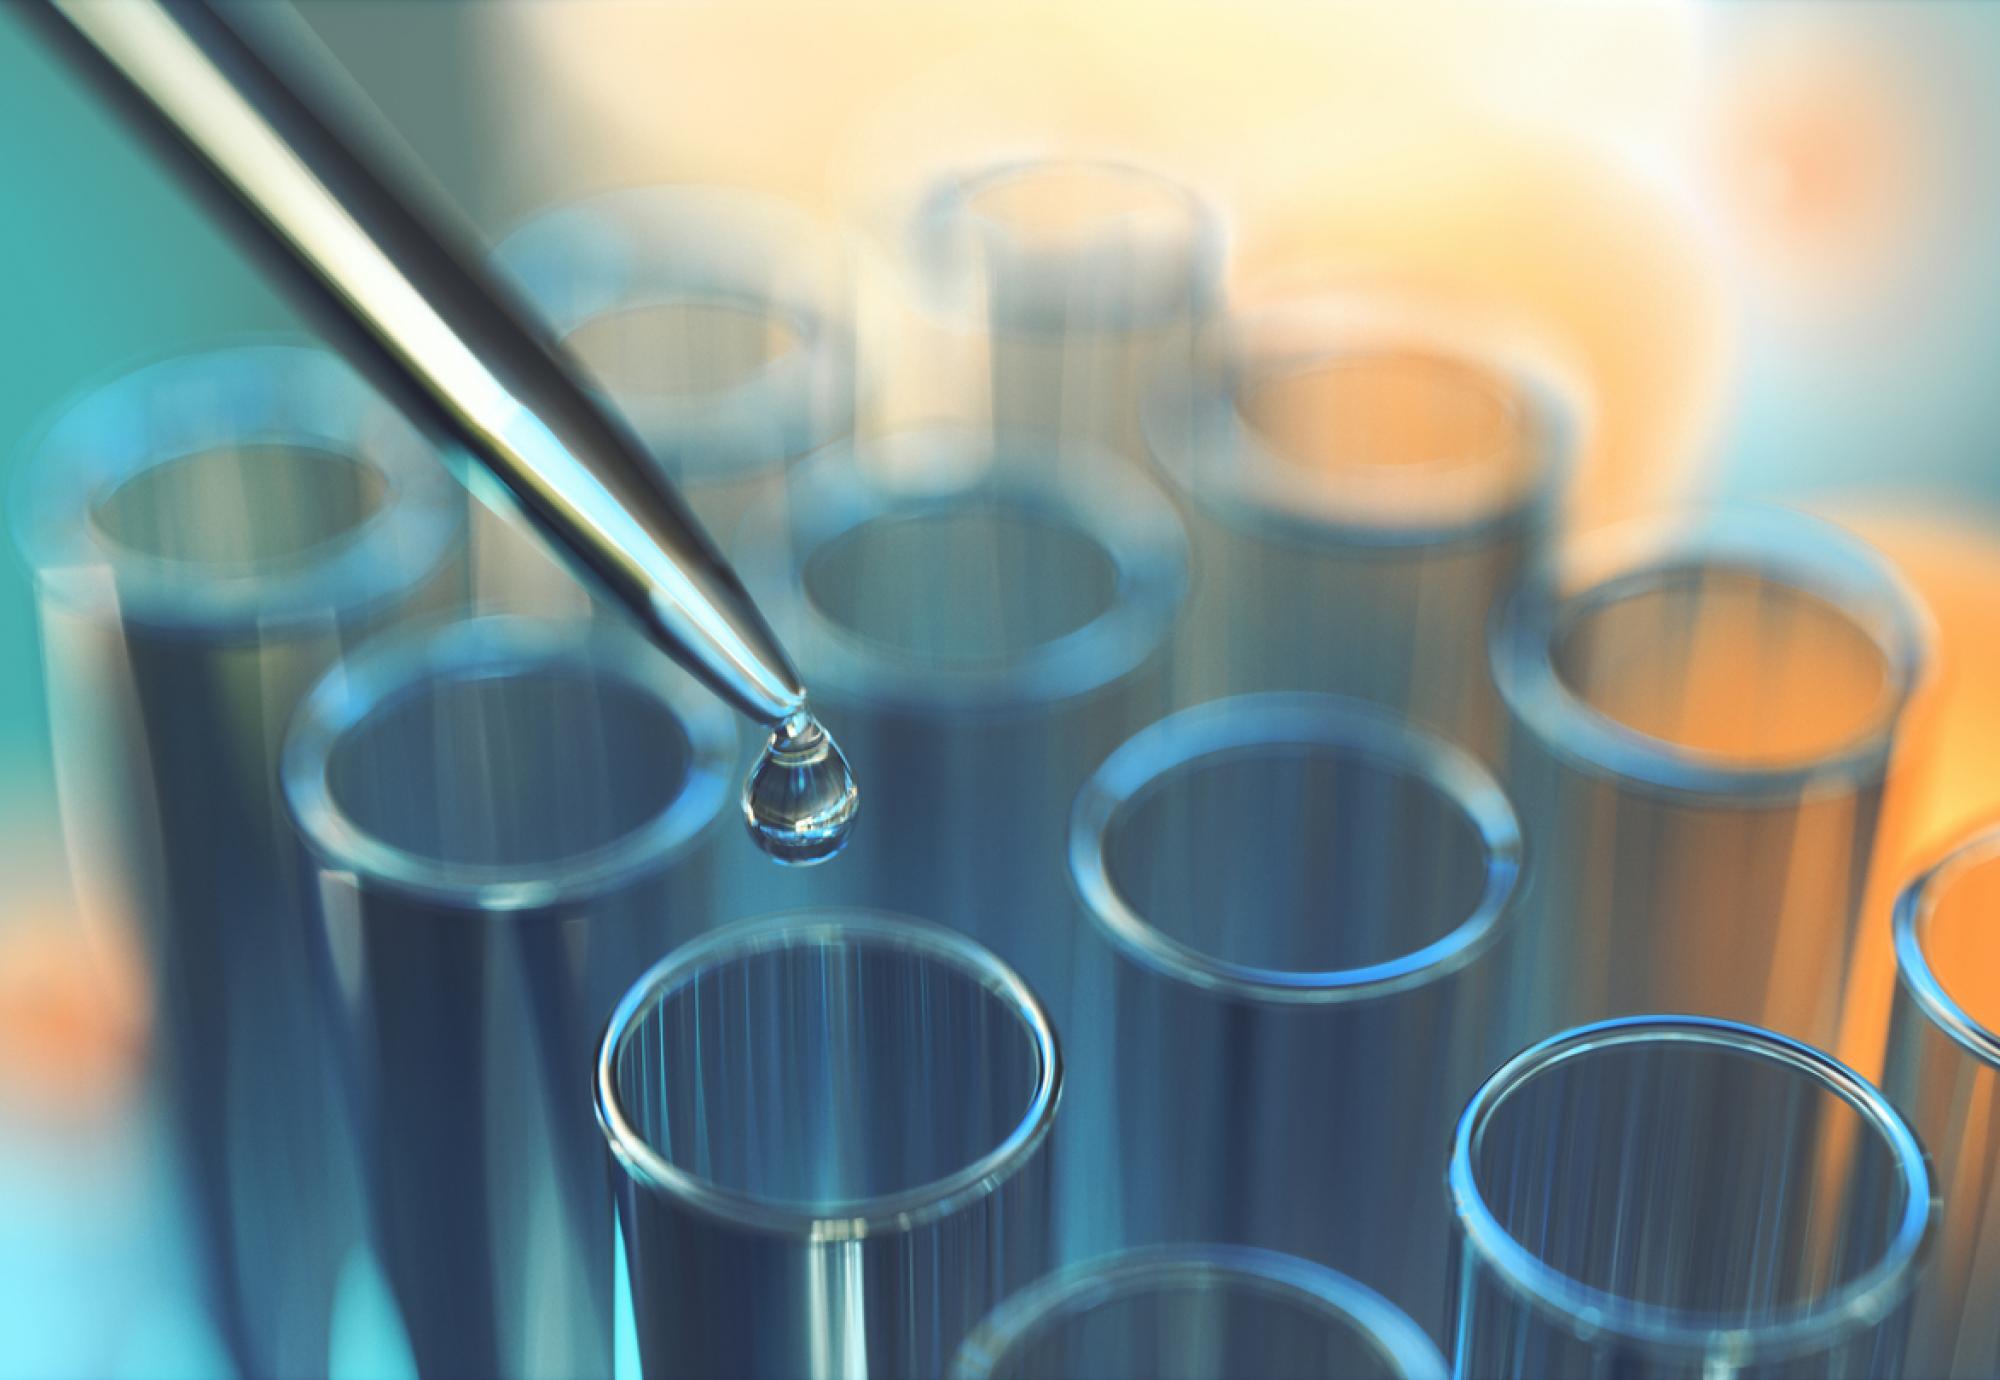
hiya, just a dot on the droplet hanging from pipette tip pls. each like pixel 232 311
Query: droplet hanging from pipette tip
pixel 800 799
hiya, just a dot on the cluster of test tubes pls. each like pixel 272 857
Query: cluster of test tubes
pixel 1315 911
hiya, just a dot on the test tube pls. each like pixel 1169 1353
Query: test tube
pixel 1359 489
pixel 718 322
pixel 1293 903
pixel 982 629
pixel 208 533
pixel 508 818
pixel 1679 1198
pixel 1942 1071
pixel 1082 275
pixel 1197 1313
pixel 832 1129
pixel 1701 713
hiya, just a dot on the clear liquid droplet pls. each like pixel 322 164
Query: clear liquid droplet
pixel 800 799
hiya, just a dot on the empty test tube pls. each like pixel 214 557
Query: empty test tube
pixel 1293 903
pixel 984 629
pixel 208 534
pixel 832 1129
pixel 1701 718
pixel 1359 492
pixel 509 819
pixel 1676 1198
pixel 1082 275
pixel 1943 1075
pixel 1197 1313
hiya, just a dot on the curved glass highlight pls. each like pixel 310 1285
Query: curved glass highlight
pixel 1720 696
pixel 1674 1196
pixel 1080 276
pixel 1943 1074
pixel 508 819
pixel 1291 905
pixel 981 630
pixel 208 534
pixel 832 1132
pixel 1197 1313
pixel 1375 481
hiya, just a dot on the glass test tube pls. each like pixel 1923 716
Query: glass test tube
pixel 1082 275
pixel 982 630
pixel 1943 1074
pixel 208 533
pixel 718 322
pixel 1197 1313
pixel 833 1129
pixel 1678 1198
pixel 1701 718
pixel 1359 492
pixel 509 819
pixel 1293 902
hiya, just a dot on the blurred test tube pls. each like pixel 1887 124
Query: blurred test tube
pixel 1081 276
pixel 1197 1313
pixel 1360 488
pixel 982 630
pixel 1676 1198
pixel 718 322
pixel 833 1130
pixel 1943 1074
pixel 1293 905
pixel 510 818
pixel 208 534
pixel 1701 718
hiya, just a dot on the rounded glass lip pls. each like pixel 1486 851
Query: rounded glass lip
pixel 1913 909
pixel 1343 1303
pixel 1179 278
pixel 270 391
pixel 1779 545
pixel 853 1219
pixel 685 244
pixel 1227 727
pixel 1196 433
pixel 1111 503
pixel 485 648
pixel 1855 1304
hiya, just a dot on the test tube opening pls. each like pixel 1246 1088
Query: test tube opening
pixel 507 755
pixel 1695 1186
pixel 800 1072
pixel 1295 847
pixel 1198 1313
pixel 1754 648
pixel 241 509
pixel 1947 929
pixel 1000 581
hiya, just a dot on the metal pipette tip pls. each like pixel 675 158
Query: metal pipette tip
pixel 800 799
pixel 410 301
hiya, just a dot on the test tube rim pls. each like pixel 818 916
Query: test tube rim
pixel 1111 503
pixel 494 646
pixel 1914 970
pixel 1403 1345
pixel 900 1212
pixel 1219 727
pixel 934 232
pixel 1220 450
pixel 813 384
pixel 1780 545
pixel 298 395
pixel 1586 1311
